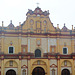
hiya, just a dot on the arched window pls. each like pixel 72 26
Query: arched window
pixel 53 72
pixel 37 53
pixel 11 50
pixel 24 72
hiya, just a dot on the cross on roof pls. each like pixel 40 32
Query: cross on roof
pixel 37 4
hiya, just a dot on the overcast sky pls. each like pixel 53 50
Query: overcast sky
pixel 61 11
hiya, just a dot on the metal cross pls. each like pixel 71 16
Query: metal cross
pixel 37 4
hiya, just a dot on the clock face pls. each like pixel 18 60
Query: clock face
pixel 31 22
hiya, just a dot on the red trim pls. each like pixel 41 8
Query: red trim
pixel 24 67
pixel 27 68
pixel 37 33
pixel 11 67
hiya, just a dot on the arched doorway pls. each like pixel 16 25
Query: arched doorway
pixel 11 72
pixel 37 53
pixel 38 71
pixel 65 72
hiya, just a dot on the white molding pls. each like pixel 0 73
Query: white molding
pixel 62 50
pixel 69 68
pixel 28 44
pixel 13 50
pixel 15 69
pixel 48 45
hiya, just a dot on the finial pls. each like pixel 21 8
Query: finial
pixel 19 23
pixel 11 21
pixel 37 4
pixel 72 27
pixel 2 23
pixel 64 24
pixel 47 11
pixel 57 25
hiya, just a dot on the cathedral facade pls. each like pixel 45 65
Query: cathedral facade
pixel 36 47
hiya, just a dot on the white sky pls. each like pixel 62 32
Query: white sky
pixel 61 11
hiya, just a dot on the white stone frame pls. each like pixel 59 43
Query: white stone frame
pixel 67 50
pixel 13 50
pixel 15 69
pixel 69 68
pixel 23 69
pixel 52 71
pixel 40 51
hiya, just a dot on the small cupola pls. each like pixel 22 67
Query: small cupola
pixel 64 28
pixel 11 26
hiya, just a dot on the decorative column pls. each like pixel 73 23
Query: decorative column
pixel 58 46
pixel 2 43
pixel 19 43
pixel 59 66
pixel 73 68
pixel 74 64
pixel 72 46
pixel 2 65
pixel 28 44
pixel 48 45
pixel 29 66
pixel 19 66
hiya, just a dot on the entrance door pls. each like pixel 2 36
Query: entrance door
pixel 38 71
pixel 10 72
pixel 65 72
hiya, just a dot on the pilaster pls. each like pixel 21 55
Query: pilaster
pixel 73 70
pixel 29 66
pixel 59 66
pixel 48 45
pixel 72 45
pixel 19 47
pixel 19 66
pixel 57 45
pixel 28 44
pixel 2 42
pixel 2 65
